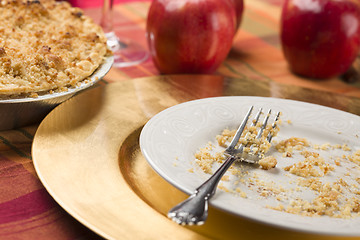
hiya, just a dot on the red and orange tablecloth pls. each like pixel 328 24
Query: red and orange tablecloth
pixel 27 211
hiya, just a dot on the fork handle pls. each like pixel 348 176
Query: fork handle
pixel 208 188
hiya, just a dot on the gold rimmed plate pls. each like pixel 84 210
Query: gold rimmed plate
pixel 86 153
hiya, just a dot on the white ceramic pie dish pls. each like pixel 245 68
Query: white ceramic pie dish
pixel 24 111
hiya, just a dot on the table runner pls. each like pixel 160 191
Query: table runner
pixel 27 211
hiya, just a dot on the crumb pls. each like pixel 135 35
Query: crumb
pixel 325 146
pixel 307 167
pixel 225 178
pixel 345 147
pixel 268 162
pixel 287 146
pixel 337 162
pixel 241 193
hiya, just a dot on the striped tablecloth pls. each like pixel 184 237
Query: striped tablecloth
pixel 27 211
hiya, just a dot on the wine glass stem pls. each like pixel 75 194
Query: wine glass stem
pixel 107 24
pixel 126 53
pixel 106 21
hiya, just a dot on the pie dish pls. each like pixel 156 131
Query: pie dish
pixel 46 46
pixel 49 51
pixel 24 111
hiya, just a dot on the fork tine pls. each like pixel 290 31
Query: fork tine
pixel 240 130
pixel 254 122
pixel 270 135
pixel 256 119
pixel 252 154
pixel 264 124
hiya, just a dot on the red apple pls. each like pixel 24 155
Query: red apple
pixel 239 8
pixel 190 36
pixel 320 38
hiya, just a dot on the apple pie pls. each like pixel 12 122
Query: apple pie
pixel 46 46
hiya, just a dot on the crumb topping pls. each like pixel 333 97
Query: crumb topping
pixel 46 45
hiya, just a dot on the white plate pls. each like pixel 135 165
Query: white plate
pixel 170 139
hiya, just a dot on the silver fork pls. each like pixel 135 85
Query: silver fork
pixel 194 210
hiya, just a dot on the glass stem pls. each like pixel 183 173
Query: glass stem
pixel 106 21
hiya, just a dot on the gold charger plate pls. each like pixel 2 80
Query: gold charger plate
pixel 86 153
